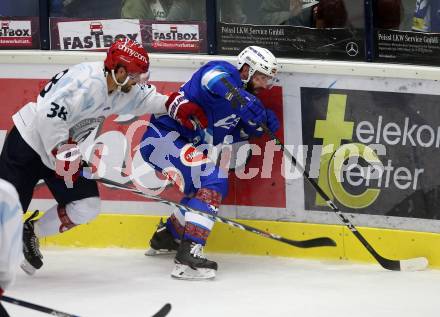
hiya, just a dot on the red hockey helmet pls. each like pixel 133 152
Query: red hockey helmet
pixel 127 53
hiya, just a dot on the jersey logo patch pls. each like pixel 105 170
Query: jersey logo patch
pixel 190 156
pixel 80 131
pixel 228 122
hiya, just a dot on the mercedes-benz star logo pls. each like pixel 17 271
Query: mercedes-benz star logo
pixel 352 49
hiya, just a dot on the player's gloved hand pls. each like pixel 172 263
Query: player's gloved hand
pixel 68 163
pixel 272 121
pixel 187 113
pixel 253 113
pixel 1 292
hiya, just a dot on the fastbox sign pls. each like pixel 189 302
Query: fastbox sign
pixel 373 152
pixel 169 37
pixel 19 33
pixel 95 34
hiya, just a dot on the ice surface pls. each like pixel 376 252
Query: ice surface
pixel 125 283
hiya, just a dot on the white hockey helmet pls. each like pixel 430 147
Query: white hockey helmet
pixel 259 59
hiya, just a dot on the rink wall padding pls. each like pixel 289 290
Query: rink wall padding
pixel 134 231
pixel 319 103
pixel 325 108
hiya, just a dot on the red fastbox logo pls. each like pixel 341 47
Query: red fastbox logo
pixel 96 28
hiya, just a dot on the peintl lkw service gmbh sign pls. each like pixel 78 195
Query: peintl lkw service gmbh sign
pixel 378 152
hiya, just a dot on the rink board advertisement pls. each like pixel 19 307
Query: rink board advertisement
pixel 248 186
pixel 97 35
pixel 377 113
pixel 379 151
pixel 19 33
pixel 292 41
pixel 407 47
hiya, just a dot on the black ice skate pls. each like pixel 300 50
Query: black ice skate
pixel 162 241
pixel 191 263
pixel 31 247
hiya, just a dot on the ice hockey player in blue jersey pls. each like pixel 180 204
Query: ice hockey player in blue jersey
pixel 180 153
pixel 426 16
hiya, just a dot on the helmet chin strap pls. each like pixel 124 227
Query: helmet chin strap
pixel 250 74
pixel 118 83
pixel 246 81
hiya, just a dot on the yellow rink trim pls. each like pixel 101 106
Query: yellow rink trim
pixel 134 231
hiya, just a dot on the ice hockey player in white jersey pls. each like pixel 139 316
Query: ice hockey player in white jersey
pixel 11 228
pixel 43 144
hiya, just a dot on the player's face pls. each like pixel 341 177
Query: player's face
pixel 133 79
pixel 127 87
pixel 261 81
pixel 138 78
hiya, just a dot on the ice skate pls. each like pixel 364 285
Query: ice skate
pixel 31 247
pixel 162 241
pixel 191 264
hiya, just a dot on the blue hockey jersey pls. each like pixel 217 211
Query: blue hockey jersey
pixel 426 16
pixel 224 124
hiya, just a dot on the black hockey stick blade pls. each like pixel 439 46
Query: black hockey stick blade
pixel 409 265
pixel 312 243
pixel 163 311
pixel 309 243
pixel 414 264
pixel 39 308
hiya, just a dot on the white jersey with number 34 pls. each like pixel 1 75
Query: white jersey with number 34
pixel 74 103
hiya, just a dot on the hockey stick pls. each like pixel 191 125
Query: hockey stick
pixel 53 312
pixel 163 311
pixel 310 243
pixel 39 308
pixel 414 264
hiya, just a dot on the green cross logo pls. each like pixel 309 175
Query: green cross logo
pixel 332 131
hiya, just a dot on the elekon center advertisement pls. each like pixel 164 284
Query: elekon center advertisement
pixel 378 152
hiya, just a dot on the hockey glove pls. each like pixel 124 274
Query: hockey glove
pixel 272 121
pixel 253 113
pixel 187 113
pixel 68 163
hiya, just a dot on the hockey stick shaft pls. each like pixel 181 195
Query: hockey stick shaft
pixel 388 264
pixel 161 313
pixel 394 265
pixel 39 308
pixel 310 243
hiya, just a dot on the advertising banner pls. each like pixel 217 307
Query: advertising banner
pixel 175 37
pixel 407 47
pixel 373 152
pixel 19 33
pixel 292 41
pixel 97 35
pixel 371 143
pixel 259 184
